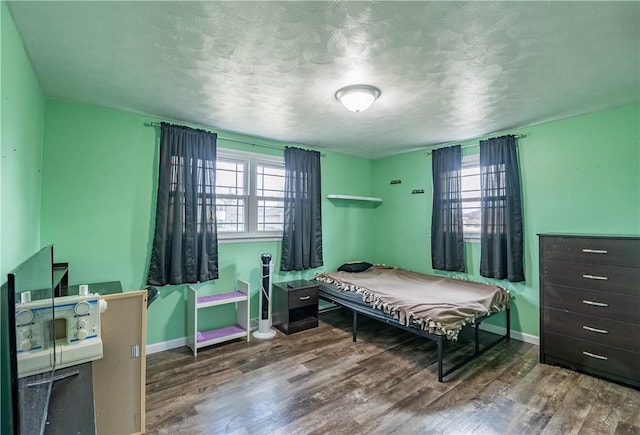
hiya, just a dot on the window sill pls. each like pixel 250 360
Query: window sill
pixel 229 240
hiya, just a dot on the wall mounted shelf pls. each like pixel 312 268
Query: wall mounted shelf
pixel 356 198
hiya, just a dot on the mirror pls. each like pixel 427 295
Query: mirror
pixel 31 339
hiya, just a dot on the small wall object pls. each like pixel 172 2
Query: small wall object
pixel 395 182
pixel 415 191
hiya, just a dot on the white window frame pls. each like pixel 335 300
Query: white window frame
pixel 468 162
pixel 252 161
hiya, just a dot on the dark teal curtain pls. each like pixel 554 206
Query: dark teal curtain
pixel 185 243
pixel 501 237
pixel 302 233
pixel 447 239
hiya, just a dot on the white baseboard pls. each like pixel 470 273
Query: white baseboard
pixel 166 345
pixel 179 342
pixel 517 335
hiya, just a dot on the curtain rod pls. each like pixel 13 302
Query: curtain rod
pixel 230 139
pixel 428 153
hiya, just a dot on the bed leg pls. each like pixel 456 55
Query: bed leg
pixel 440 353
pixel 508 314
pixel 355 326
pixel 477 333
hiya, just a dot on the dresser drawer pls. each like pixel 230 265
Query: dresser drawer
pixel 593 303
pixel 303 297
pixel 609 332
pixel 623 280
pixel 590 356
pixel 592 250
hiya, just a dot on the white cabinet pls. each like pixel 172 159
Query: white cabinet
pixel 197 306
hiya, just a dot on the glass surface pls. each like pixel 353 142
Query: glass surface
pixel 470 184
pixel 230 178
pixel 31 287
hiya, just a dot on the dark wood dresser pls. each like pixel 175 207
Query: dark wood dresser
pixel 590 304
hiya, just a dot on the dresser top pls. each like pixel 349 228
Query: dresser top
pixel 296 284
pixel 592 236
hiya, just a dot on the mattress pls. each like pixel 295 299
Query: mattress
pixel 435 304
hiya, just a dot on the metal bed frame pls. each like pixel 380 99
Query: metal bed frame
pixel 439 339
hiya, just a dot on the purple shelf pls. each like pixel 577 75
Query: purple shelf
pixel 218 333
pixel 219 297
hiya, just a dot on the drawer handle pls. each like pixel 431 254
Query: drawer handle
pixel 597 304
pixel 304 298
pixel 596 277
pixel 594 251
pixel 600 331
pixel 593 355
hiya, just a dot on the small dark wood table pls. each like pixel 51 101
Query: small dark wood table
pixel 295 306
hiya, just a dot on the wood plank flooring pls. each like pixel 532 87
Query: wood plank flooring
pixel 319 382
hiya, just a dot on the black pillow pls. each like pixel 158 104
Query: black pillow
pixel 355 266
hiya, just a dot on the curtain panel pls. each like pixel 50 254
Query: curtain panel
pixel 501 236
pixel 447 241
pixel 185 243
pixel 302 233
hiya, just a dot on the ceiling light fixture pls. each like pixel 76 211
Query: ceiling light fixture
pixel 357 98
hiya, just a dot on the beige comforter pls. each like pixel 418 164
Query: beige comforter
pixel 436 304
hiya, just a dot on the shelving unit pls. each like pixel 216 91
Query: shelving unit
pixel 240 297
pixel 355 198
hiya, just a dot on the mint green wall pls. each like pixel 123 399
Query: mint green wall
pixel 22 139
pixel 21 125
pixel 98 208
pixel 579 175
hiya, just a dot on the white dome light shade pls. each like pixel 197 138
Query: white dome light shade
pixel 357 98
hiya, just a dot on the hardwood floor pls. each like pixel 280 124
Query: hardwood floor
pixel 319 381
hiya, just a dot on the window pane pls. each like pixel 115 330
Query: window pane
pixel 230 177
pixel 471 218
pixel 176 166
pixel 205 183
pixel 470 194
pixel 471 182
pixel 270 215
pixel 271 170
pixel 470 170
pixel 230 215
pixel 270 181
pixel 205 215
pixel 471 198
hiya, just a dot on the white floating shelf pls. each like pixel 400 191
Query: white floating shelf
pixel 356 198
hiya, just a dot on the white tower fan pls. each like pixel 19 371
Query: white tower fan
pixel 264 331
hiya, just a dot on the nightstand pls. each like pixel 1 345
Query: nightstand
pixel 295 306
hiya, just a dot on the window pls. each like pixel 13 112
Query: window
pixel 471 196
pixel 249 195
pixel 204 186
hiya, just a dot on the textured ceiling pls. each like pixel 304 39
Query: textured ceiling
pixel 448 71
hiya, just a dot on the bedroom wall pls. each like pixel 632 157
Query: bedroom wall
pixel 22 110
pixel 98 208
pixel 579 175
pixel 22 139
